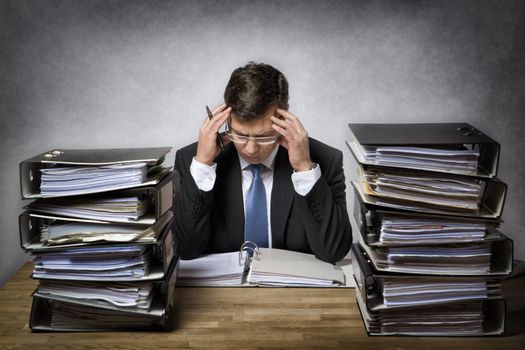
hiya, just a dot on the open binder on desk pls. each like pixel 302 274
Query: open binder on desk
pixel 266 267
pixel 442 147
pixel 79 172
pixel 384 290
pixel 382 227
pixel 84 307
pixel 143 205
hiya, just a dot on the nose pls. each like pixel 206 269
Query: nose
pixel 251 147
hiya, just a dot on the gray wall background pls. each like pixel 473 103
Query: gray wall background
pixel 102 74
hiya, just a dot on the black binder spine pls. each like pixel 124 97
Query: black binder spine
pixel 362 272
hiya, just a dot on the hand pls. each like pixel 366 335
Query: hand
pixel 294 138
pixel 207 148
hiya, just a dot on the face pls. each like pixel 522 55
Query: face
pixel 252 152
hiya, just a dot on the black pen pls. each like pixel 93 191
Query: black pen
pixel 219 140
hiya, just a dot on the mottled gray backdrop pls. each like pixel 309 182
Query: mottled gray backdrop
pixel 101 74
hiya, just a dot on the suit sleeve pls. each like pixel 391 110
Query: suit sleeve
pixel 191 211
pixel 324 212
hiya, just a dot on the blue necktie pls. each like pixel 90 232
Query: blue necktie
pixel 256 219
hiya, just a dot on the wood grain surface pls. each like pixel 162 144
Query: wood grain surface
pixel 247 318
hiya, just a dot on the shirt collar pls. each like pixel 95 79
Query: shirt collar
pixel 269 162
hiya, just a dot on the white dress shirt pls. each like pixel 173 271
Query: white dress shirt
pixel 204 176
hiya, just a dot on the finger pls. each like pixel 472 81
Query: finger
pixel 219 108
pixel 286 115
pixel 219 119
pixel 281 122
pixel 284 132
pixel 292 128
pixel 291 119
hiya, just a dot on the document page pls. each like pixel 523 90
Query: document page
pixel 213 270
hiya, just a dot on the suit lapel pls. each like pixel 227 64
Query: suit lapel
pixel 233 208
pixel 282 196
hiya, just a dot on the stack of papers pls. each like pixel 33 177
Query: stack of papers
pixel 450 259
pixel 424 230
pixel 224 269
pixel 85 232
pixel 437 190
pixel 428 207
pixel 401 292
pixel 446 319
pixel 121 209
pixel 453 158
pixel 102 263
pixel 68 181
pixel 70 316
pixel 121 295
pixel 76 232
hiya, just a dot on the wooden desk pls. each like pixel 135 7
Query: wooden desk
pixel 251 318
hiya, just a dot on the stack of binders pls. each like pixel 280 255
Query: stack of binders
pixel 99 230
pixel 428 206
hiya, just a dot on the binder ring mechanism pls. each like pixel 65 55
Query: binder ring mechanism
pixel 469 131
pixel 251 248
pixel 52 154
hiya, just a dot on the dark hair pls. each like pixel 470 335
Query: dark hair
pixel 252 89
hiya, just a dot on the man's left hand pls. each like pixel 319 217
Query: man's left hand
pixel 294 138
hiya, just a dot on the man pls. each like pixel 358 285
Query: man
pixel 295 200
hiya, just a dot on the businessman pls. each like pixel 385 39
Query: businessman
pixel 262 180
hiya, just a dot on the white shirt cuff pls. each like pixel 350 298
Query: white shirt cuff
pixel 304 181
pixel 204 175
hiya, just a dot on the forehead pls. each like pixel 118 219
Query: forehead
pixel 258 127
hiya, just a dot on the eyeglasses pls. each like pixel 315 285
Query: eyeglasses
pixel 262 140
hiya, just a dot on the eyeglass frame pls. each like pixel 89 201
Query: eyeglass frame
pixel 241 139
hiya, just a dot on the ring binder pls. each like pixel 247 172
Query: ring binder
pixel 159 256
pixel 427 135
pixel 370 218
pixel 267 266
pixel 30 227
pixel 44 308
pixel 100 234
pixel 30 169
pixel 254 249
pixel 428 207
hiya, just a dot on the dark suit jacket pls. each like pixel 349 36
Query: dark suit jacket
pixel 212 222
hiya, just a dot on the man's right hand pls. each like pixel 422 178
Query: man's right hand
pixel 208 148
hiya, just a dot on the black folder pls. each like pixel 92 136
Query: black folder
pixel 30 176
pixel 500 262
pixel 30 224
pixel 370 282
pixel 369 219
pixel 376 314
pixel 491 206
pixel 160 196
pixel 161 254
pixel 155 318
pixel 427 134
pixel 491 319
